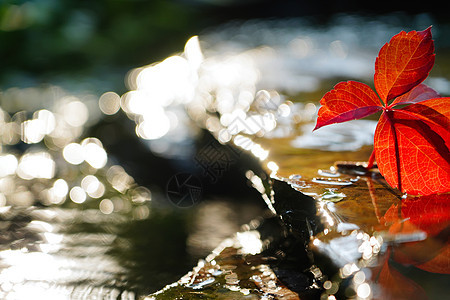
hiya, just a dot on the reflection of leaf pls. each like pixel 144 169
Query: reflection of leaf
pixel 395 285
pixel 440 263
pixel 430 214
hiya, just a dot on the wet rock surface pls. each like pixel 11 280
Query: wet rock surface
pixel 247 266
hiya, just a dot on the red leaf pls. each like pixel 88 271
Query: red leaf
pixel 403 63
pixel 347 101
pixel 419 93
pixel 411 143
pixel 433 110
pixel 412 152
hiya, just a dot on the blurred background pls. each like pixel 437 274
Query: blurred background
pixel 99 41
pixel 84 174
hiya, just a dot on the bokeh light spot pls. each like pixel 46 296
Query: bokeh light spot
pixel 77 194
pixel 75 113
pixel 106 206
pixel 36 165
pixel 109 103
pixel 73 153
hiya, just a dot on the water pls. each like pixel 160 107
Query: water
pixel 84 177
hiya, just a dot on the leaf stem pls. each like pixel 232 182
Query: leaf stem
pixel 397 151
pixel 371 160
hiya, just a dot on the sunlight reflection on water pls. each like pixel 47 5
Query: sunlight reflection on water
pixel 52 134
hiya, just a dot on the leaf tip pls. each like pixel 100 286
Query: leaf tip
pixel 426 32
pixel 317 126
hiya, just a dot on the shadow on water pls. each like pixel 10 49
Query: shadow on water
pixel 162 238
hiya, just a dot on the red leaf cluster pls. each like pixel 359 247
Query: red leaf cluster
pixel 412 142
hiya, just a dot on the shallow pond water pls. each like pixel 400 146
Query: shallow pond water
pixel 115 196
